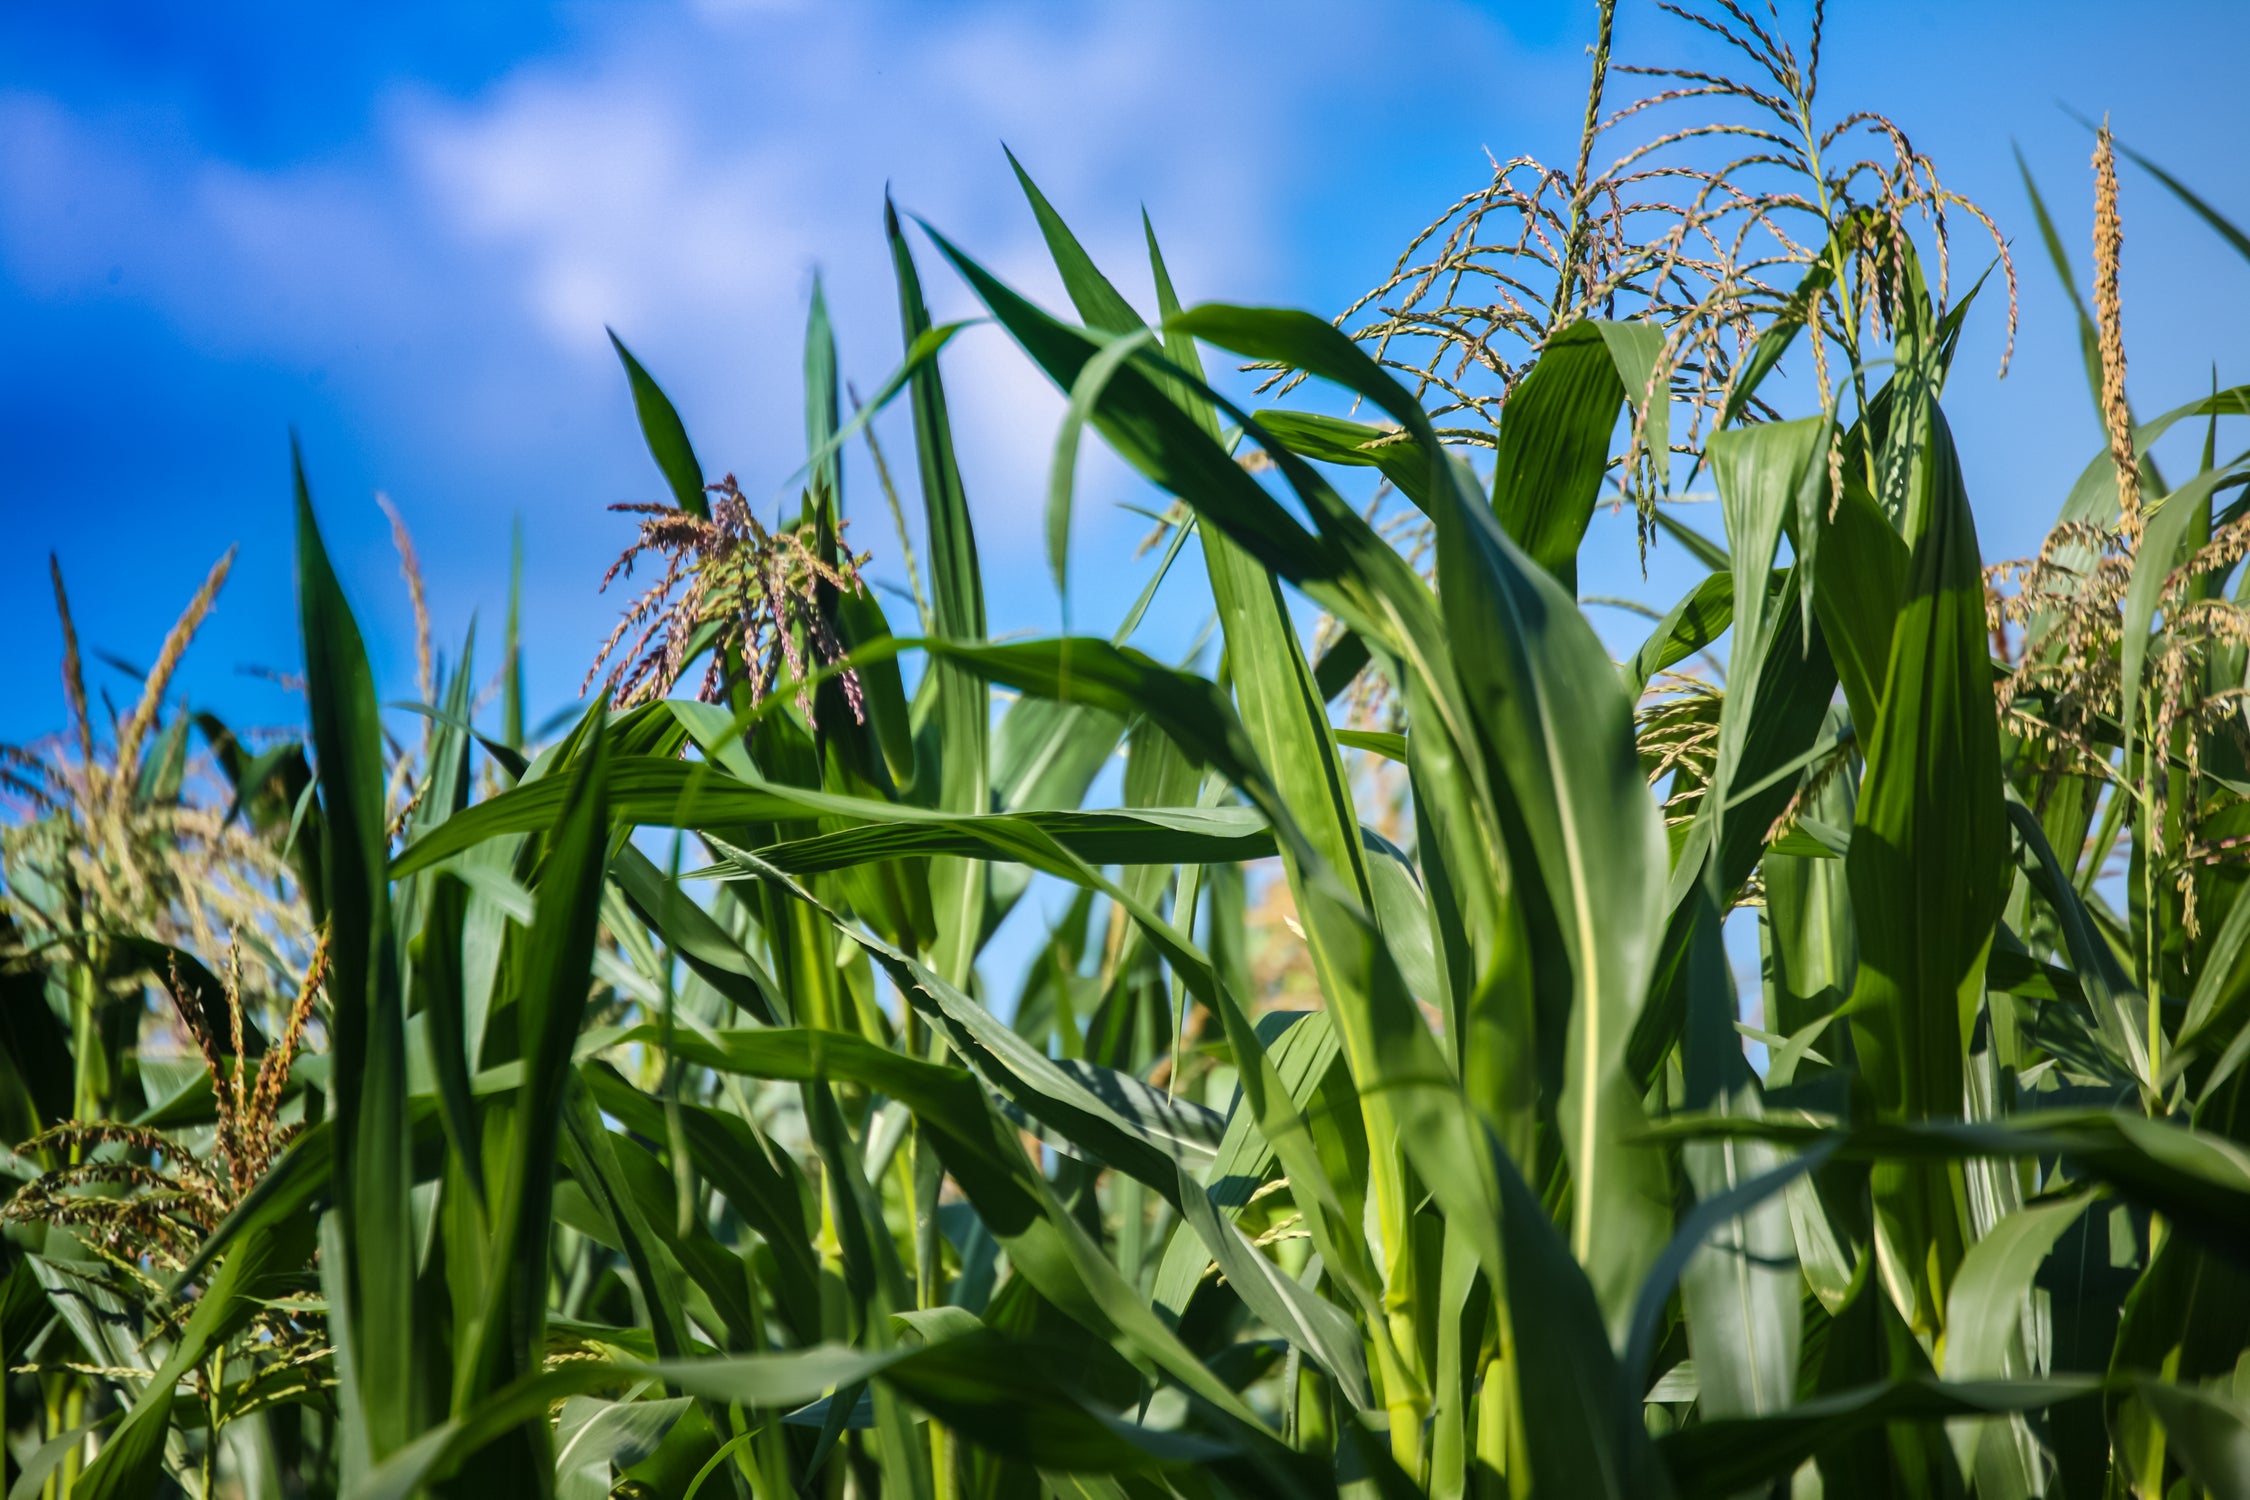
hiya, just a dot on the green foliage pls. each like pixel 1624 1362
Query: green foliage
pixel 641 1113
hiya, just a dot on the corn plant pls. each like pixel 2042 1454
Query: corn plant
pixel 643 1112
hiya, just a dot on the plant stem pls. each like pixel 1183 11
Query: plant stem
pixel 86 1046
pixel 898 518
pixel 73 1413
pixel 675 1125
pixel 1581 195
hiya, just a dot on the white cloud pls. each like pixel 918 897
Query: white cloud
pixel 682 184
pixel 679 174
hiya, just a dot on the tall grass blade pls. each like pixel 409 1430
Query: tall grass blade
pixel 1927 873
pixel 962 714
pixel 368 1026
pixel 665 434
pixel 550 984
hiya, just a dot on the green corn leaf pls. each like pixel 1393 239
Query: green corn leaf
pixel 1201 723
pixel 1636 348
pixel 963 714
pixel 1340 665
pixel 2089 339
pixel 1147 596
pixel 2169 523
pixel 596 1437
pixel 2216 1007
pixel 1811 948
pixel 1120 1119
pixel 438 990
pixel 1046 754
pixel 2120 1016
pixel 867 637
pixel 822 414
pixel 1724 1457
pixel 442 905
pixel 450 737
pixel 597 1167
pixel 1311 1322
pixel 768 1381
pixel 1282 707
pixel 1739 1292
pixel 2208 1430
pixel 1125 684
pixel 1702 615
pixel 1581 1422
pixel 1858 602
pixel 1002 1392
pixel 31 1473
pixel 1707 1218
pixel 666 436
pixel 551 992
pixel 368 1025
pixel 647 791
pixel 1150 836
pixel 1765 477
pixel 2093 497
pixel 874 1280
pixel 1780 681
pixel 1299 1050
pixel 1392 747
pixel 1500 1032
pixel 1011 1401
pixel 980 1152
pixel 1463 1301
pixel 1179 449
pixel 1990 1296
pixel 2198 1180
pixel 759 1182
pixel 91 1313
pixel 2181 1320
pixel 922 351
pixel 1085 394
pixel 1554 447
pixel 2223 226
pixel 1097 300
pixel 712 953
pixel 1402 910
pixel 1334 440
pixel 1550 712
pixel 1927 871
pixel 1700 547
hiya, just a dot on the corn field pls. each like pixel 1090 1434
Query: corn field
pixel 406 1105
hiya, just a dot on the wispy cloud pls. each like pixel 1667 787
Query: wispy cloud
pixel 679 178
pixel 680 173
pixel 684 189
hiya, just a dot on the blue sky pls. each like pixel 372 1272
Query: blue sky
pixel 401 228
